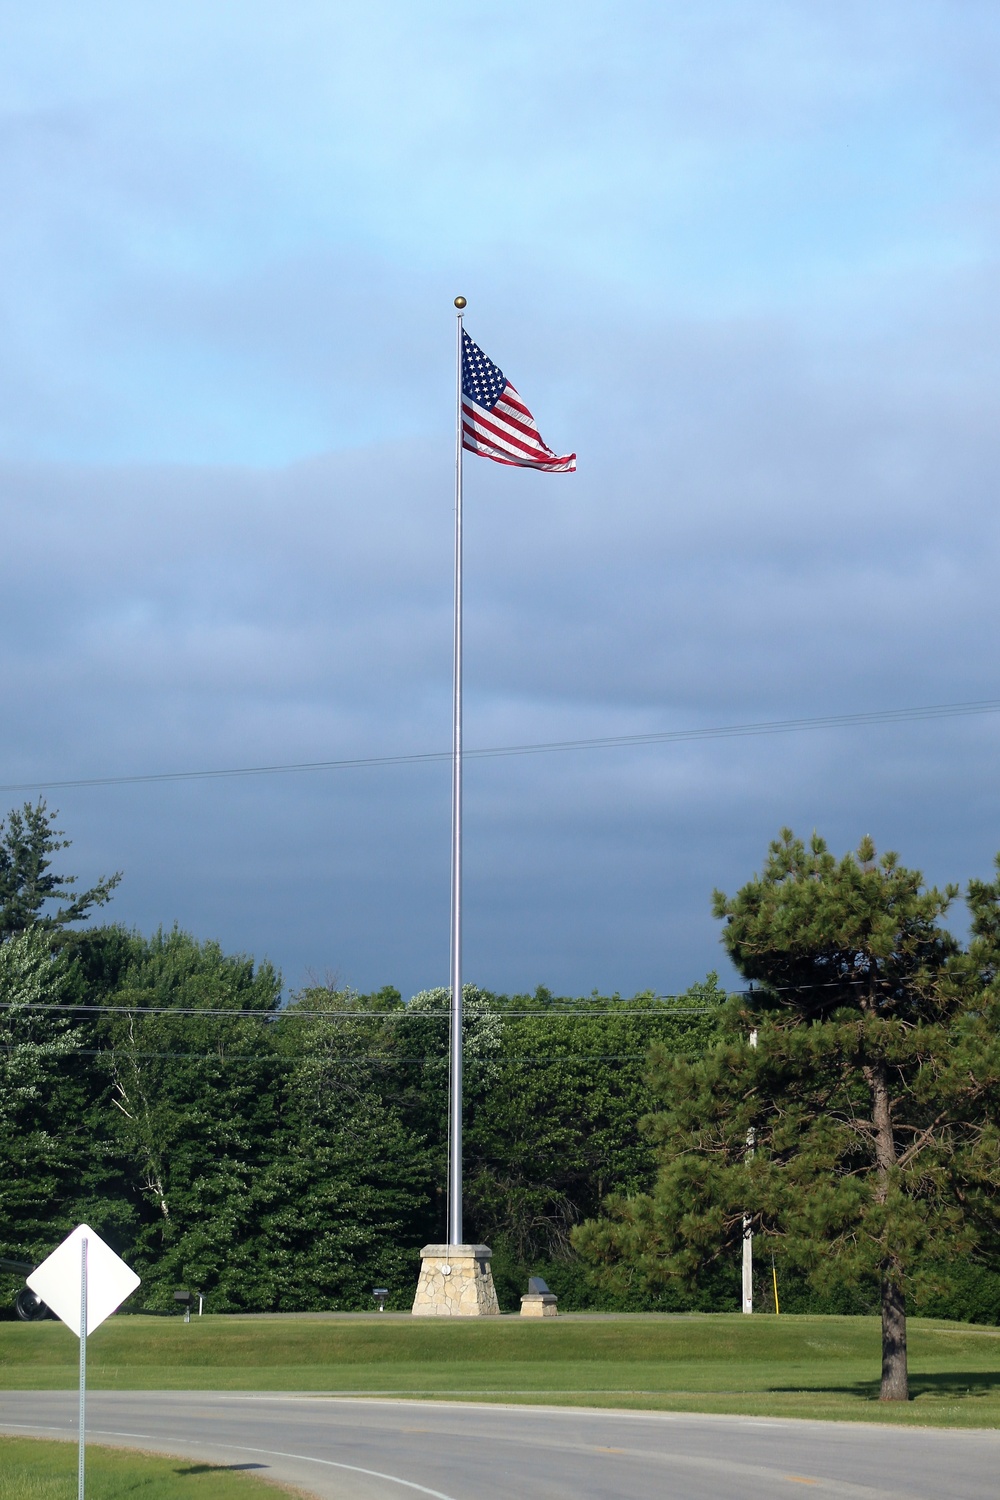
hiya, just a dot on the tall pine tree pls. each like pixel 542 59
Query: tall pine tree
pixel 870 1095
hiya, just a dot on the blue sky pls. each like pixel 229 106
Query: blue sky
pixel 740 256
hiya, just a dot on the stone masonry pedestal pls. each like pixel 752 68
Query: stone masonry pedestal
pixel 455 1282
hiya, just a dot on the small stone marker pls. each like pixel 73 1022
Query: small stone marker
pixel 540 1302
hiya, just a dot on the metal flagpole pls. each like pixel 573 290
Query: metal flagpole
pixel 81 1458
pixel 455 1100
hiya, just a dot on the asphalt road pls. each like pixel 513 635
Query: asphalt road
pixel 350 1449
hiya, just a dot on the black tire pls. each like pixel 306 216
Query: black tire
pixel 29 1307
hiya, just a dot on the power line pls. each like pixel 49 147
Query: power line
pixel 606 742
pixel 125 1054
pixel 344 1015
pixel 664 1011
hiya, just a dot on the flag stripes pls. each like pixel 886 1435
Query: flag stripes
pixel 496 423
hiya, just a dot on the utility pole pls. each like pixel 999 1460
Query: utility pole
pixel 747 1223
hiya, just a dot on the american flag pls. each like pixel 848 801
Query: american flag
pixel 495 421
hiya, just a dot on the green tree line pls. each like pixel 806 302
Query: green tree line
pixel 288 1155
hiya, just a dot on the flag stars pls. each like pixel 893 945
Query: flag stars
pixel 482 381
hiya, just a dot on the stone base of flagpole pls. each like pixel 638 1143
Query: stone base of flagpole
pixel 455 1282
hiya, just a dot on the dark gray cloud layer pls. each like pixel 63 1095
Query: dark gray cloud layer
pixel 786 542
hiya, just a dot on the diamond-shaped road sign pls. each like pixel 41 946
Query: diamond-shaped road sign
pixel 57 1280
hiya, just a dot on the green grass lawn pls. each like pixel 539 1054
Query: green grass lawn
pixel 31 1469
pixel 791 1366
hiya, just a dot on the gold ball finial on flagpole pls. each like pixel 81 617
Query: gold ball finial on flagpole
pixel 460 303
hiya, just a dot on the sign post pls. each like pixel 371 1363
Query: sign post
pixel 82 1425
pixel 83 1281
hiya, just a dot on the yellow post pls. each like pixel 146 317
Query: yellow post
pixel 774 1275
